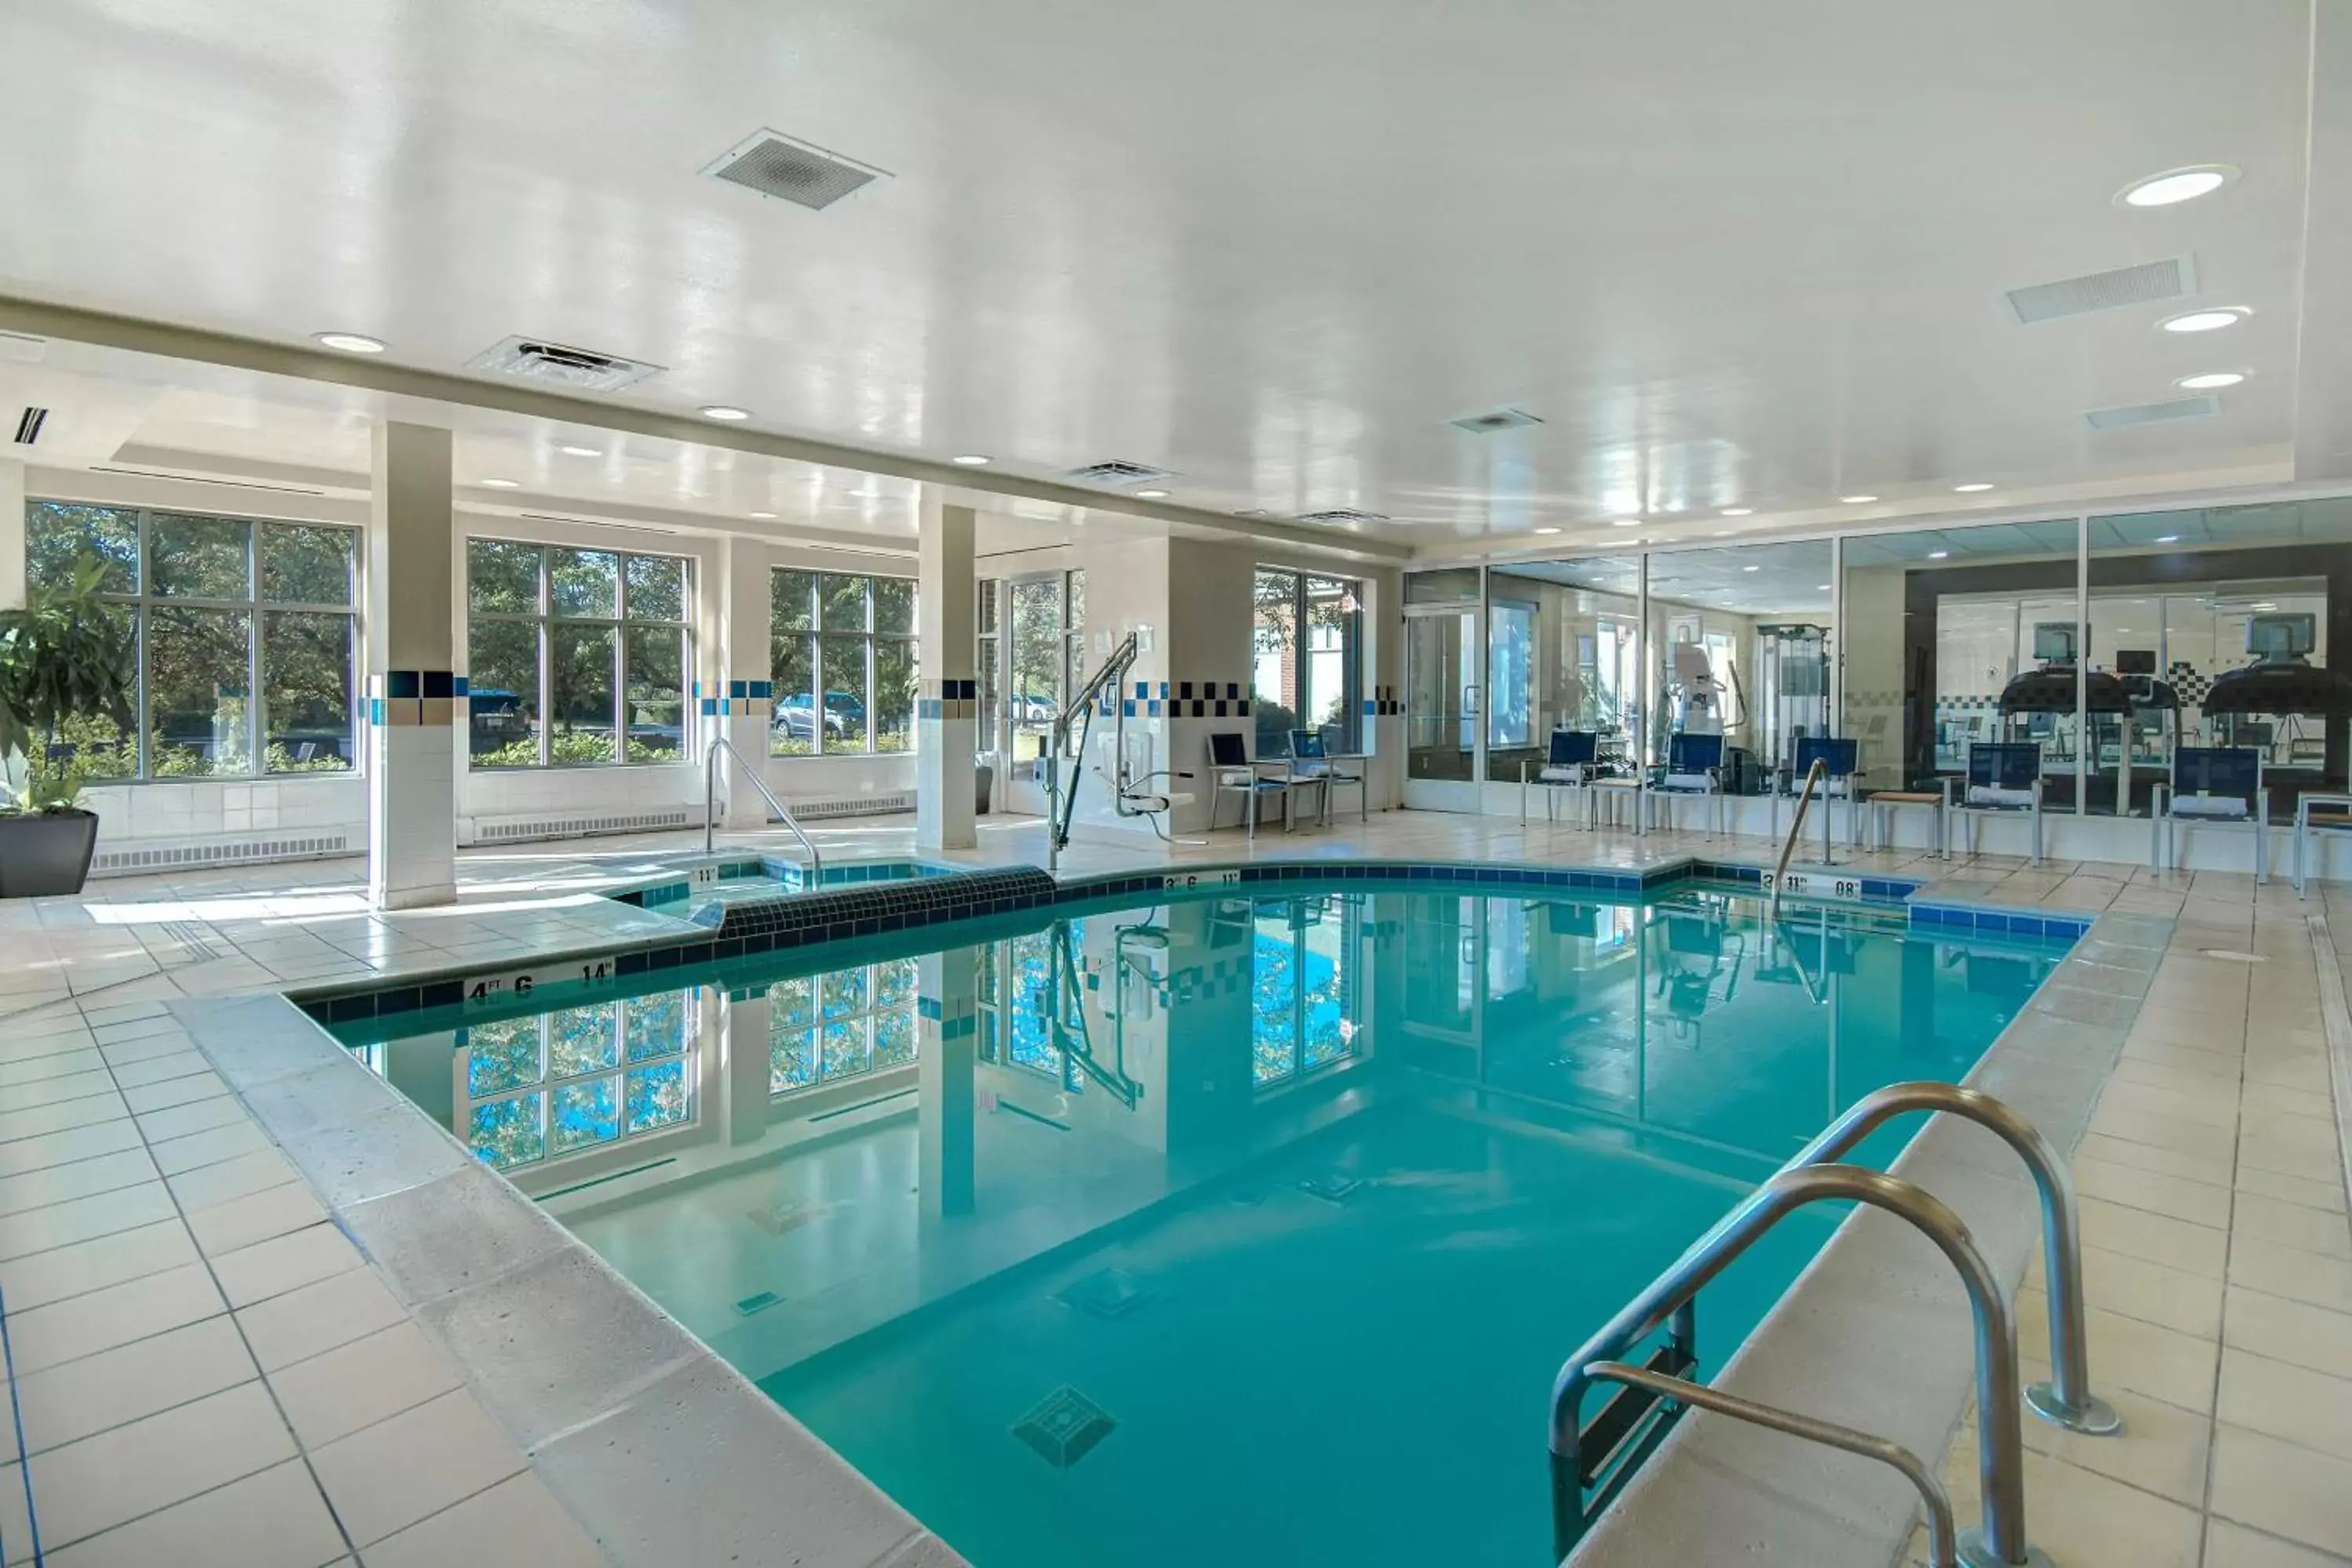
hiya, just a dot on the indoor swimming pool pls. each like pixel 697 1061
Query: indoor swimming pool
pixel 1247 1224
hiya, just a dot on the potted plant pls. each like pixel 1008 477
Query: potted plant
pixel 65 657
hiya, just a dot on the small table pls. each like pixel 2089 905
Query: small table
pixel 1941 800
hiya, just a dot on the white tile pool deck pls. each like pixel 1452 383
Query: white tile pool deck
pixel 209 1372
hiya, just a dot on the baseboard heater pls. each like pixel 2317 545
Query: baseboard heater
pixel 854 806
pixel 582 824
pixel 135 860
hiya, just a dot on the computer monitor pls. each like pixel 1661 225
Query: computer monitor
pixel 2289 635
pixel 2053 641
pixel 2135 661
pixel 1226 749
pixel 1306 744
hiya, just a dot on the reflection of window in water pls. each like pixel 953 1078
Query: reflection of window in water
pixel 822 1028
pixel 543 1087
pixel 1304 999
pixel 1506 947
pixel 1023 986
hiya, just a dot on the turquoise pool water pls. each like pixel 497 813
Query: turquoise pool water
pixel 1244 1227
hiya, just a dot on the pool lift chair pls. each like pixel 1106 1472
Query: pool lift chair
pixel 1650 1348
pixel 1129 795
pixel 2215 784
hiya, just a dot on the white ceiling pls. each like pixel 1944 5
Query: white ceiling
pixel 1732 255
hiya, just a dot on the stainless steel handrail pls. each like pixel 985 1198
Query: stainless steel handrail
pixel 1819 771
pixel 1943 1544
pixel 710 806
pixel 1999 1456
pixel 2067 1400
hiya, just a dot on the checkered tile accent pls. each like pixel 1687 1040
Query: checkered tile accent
pixel 405 698
pixel 1188 699
pixel 949 699
pixel 746 698
pixel 1383 703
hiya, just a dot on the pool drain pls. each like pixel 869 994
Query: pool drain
pixel 1106 1293
pixel 1064 1426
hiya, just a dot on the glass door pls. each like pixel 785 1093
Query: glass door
pixel 1034 677
pixel 1444 706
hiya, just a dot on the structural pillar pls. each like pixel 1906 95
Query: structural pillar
pixel 12 534
pixel 415 705
pixel 740 709
pixel 947 710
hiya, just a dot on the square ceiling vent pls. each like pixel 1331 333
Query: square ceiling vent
pixel 2174 278
pixel 2132 413
pixel 1494 420
pixel 1343 517
pixel 1118 471
pixel 560 365
pixel 774 165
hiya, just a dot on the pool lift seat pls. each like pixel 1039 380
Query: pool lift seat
pixel 1594 1462
pixel 2218 785
pixel 2004 777
pixel 1130 795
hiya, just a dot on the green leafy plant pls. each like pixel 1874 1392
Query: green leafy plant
pixel 67 655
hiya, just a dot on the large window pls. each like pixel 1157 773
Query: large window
pixel 246 640
pixel 1307 674
pixel 822 1028
pixel 565 1082
pixel 574 656
pixel 841 652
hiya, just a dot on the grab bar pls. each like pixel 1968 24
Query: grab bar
pixel 710 806
pixel 2067 1400
pixel 1999 1456
pixel 1814 775
pixel 1943 1547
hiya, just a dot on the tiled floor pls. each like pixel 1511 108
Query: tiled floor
pixel 209 1373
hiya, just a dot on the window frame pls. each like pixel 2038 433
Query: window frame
pixel 549 1082
pixel 618 624
pixel 144 602
pixel 1355 736
pixel 813 636
pixel 868 1019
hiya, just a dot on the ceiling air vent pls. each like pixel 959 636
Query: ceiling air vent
pixel 2123 418
pixel 1343 517
pixel 29 425
pixel 2172 279
pixel 1117 472
pixel 558 365
pixel 1497 419
pixel 775 165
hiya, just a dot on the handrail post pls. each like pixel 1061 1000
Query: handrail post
pixel 710 806
pixel 2066 1400
pixel 1814 775
pixel 1999 1447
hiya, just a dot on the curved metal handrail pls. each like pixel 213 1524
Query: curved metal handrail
pixel 1943 1545
pixel 710 806
pixel 1817 773
pixel 2067 1399
pixel 2000 1460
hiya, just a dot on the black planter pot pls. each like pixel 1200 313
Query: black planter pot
pixel 43 856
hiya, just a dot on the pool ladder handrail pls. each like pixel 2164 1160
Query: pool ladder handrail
pixel 1819 772
pixel 710 806
pixel 1668 1300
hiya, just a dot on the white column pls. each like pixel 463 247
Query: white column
pixel 12 534
pixel 946 723
pixel 744 699
pixel 413 701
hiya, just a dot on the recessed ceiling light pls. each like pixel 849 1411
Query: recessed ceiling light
pixel 970 460
pixel 1752 569
pixel 1738 512
pixel 2211 380
pixel 725 412
pixel 764 517
pixel 1625 522
pixel 579 451
pixel 2205 320
pixel 2167 539
pixel 498 484
pixel 1939 554
pixel 1250 511
pixel 1151 494
pixel 2177 185
pixel 1857 501
pixel 1547 530
pixel 1970 490
pixel 351 343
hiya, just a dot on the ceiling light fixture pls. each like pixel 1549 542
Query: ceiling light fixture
pixel 1752 569
pixel 1250 511
pixel 1970 490
pixel 1820 587
pixel 2167 539
pixel 2205 320
pixel 498 484
pixel 970 460
pixel 1547 530
pixel 1939 554
pixel 2211 380
pixel 2176 185
pixel 579 451
pixel 1625 522
pixel 1857 501
pixel 764 517
pixel 1151 494
pixel 351 343
pixel 726 413
pixel 1738 512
